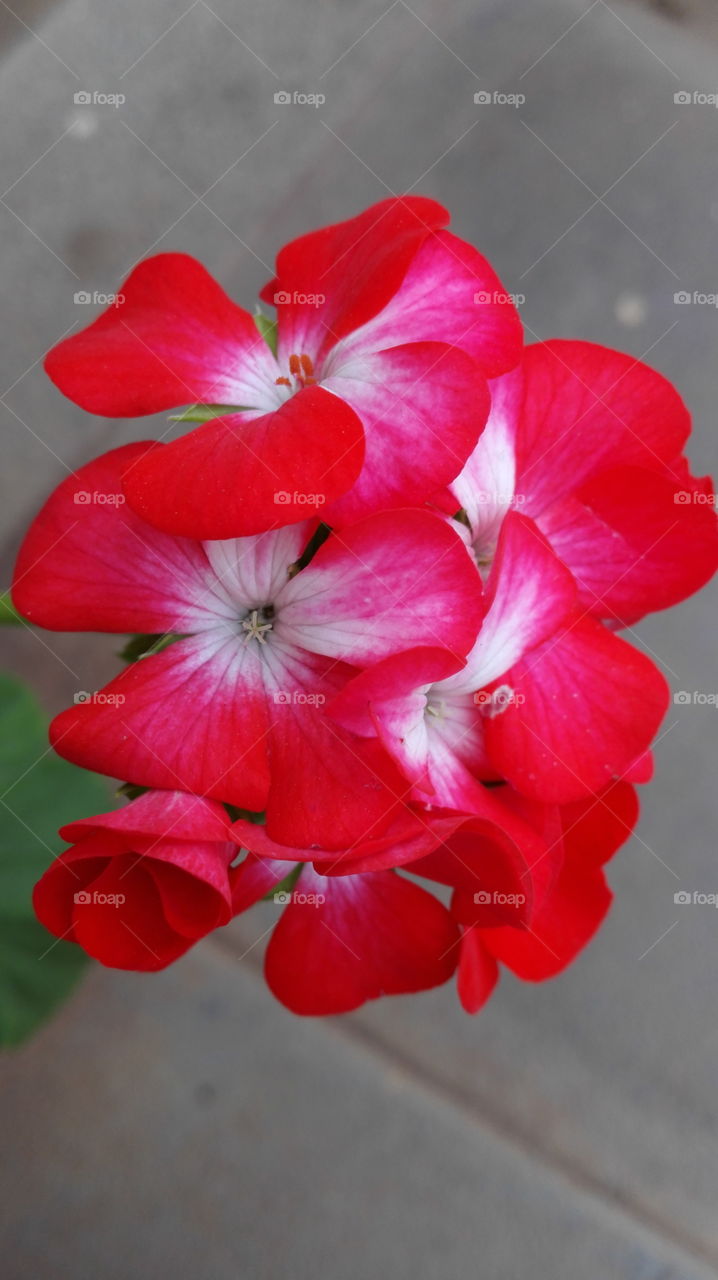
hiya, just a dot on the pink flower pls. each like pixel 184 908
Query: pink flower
pixel 547 698
pixel 141 885
pixel 376 396
pixel 235 709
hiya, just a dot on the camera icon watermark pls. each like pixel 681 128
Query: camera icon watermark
pixel 298 698
pixel 99 698
pixel 498 298
pixel 283 98
pixel 695 698
pixel 696 98
pixel 96 498
pixel 283 298
pixel 682 497
pixel 283 498
pixel 83 298
pixel 498 700
pixel 697 298
pixel 283 898
pixel 95 98
pixel 683 898
pixel 496 98
pixel 85 898
pixel 494 898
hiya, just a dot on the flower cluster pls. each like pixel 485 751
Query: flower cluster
pixel 376 587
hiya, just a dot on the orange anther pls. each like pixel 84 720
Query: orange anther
pixel 294 365
pixel 282 382
pixel 307 366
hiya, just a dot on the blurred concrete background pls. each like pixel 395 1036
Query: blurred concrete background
pixel 183 1124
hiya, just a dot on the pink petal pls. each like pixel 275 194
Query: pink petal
pixel 423 406
pixel 395 580
pixel 450 294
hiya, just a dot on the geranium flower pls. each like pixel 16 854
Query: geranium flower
pixel 345 937
pixel 588 442
pixel 141 885
pixel 234 709
pixel 376 396
pixel 547 698
pixel 590 832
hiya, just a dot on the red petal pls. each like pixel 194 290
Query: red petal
pixel 88 563
pixel 375 934
pixel 175 339
pixel 194 716
pixel 592 703
pixel 356 266
pixel 242 475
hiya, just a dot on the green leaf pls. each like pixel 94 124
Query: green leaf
pixel 268 330
pixel 39 792
pixel 9 616
pixel 203 412
pixel 143 646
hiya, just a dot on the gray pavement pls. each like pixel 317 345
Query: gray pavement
pixel 184 1124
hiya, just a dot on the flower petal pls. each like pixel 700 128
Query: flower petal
pixel 586 705
pixel 344 940
pixel 194 716
pixel 423 406
pixel 634 541
pixel 88 563
pixel 450 293
pixel 243 474
pixel 393 581
pixel 354 266
pixel 587 408
pixel 174 339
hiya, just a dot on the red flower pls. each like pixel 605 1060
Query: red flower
pixel 376 396
pixel 348 936
pixel 143 884
pixel 589 833
pixel 547 698
pixel 236 708
pixel 588 443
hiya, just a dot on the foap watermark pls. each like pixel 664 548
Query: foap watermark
pixel 497 98
pixel 695 98
pixel 695 299
pixel 283 897
pixel 499 700
pixel 684 497
pixel 285 298
pixel 283 498
pixel 493 498
pixel 695 698
pixel 694 898
pixel 283 98
pixel 96 98
pixel 96 498
pixel 298 698
pixel 498 298
pixel 83 298
pixel 99 699
pixel 85 898
pixel 494 898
